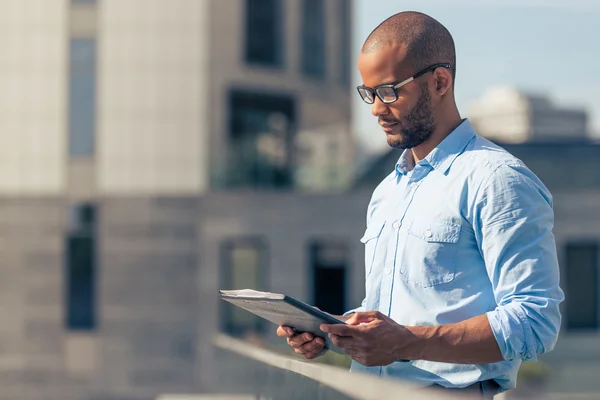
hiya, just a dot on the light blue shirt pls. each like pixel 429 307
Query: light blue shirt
pixel 466 231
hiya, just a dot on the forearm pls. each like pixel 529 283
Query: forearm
pixel 468 342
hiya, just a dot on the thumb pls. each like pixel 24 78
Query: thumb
pixel 360 318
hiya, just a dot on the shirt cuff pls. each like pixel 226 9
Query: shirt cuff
pixel 512 331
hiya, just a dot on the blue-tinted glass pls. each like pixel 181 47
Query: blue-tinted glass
pixel 329 261
pixel 313 38
pixel 260 138
pixel 81 270
pixel 264 37
pixel 345 18
pixel 581 285
pixel 244 266
pixel 82 96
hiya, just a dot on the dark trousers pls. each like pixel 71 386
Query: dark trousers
pixel 480 390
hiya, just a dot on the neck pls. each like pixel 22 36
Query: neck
pixel 445 125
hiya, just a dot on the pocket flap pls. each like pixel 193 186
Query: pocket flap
pixel 373 230
pixel 436 231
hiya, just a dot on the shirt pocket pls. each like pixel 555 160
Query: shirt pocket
pixel 371 240
pixel 430 252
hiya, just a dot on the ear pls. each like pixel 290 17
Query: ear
pixel 443 81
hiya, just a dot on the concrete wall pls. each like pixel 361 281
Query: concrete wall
pixel 148 297
pixel 152 99
pixel 32 337
pixel 33 64
pixel 146 302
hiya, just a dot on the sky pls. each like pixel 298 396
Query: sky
pixel 551 47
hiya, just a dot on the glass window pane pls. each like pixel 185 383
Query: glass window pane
pixel 264 32
pixel 329 264
pixel 582 285
pixel 82 96
pixel 260 141
pixel 345 58
pixel 246 268
pixel 81 269
pixel 313 38
pixel 243 268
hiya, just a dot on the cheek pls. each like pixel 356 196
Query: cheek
pixel 400 108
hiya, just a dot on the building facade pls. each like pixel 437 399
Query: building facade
pixel 507 115
pixel 119 117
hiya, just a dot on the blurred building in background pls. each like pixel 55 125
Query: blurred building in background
pixel 508 115
pixel 153 151
pixel 119 119
pixel 278 76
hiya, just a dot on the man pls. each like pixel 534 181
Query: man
pixel 462 277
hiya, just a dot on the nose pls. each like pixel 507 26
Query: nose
pixel 379 108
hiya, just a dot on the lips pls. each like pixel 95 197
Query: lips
pixel 389 126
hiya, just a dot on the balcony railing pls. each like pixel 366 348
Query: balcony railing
pixel 244 371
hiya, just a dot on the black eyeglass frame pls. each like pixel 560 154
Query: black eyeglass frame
pixel 395 87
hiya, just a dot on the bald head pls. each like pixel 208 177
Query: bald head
pixel 427 41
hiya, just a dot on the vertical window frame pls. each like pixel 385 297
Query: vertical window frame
pixel 229 244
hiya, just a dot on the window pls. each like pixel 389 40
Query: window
pixel 582 285
pixel 243 267
pixel 264 33
pixel 81 268
pixel 82 96
pixel 260 141
pixel 345 20
pixel 313 38
pixel 329 261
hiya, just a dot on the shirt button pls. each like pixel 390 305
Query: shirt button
pixel 395 225
pixel 388 271
pixel 428 233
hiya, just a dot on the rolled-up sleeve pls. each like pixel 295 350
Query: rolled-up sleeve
pixel 513 225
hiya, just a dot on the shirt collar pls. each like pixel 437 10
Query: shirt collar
pixel 442 157
pixel 405 163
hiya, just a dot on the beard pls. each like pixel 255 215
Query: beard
pixel 417 126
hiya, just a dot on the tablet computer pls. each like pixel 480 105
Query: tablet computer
pixel 281 309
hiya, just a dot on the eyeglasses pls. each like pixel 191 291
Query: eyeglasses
pixel 388 93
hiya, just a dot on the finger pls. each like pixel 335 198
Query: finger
pixel 339 329
pixel 363 317
pixel 310 356
pixel 344 342
pixel 285 331
pixel 314 346
pixel 299 340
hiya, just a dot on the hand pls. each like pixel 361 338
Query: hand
pixel 370 338
pixel 304 343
